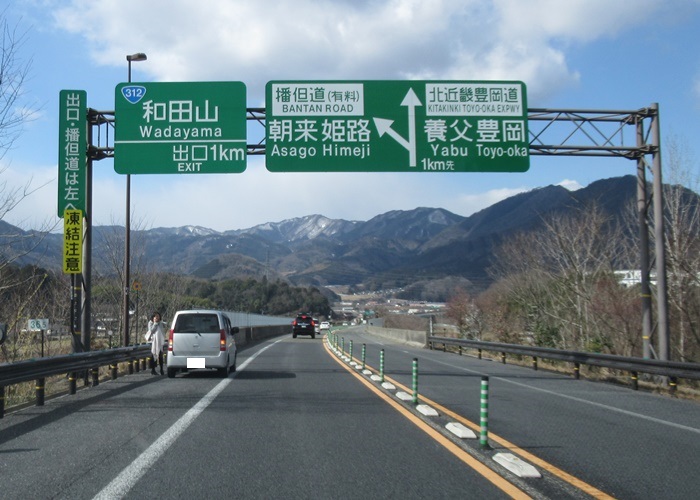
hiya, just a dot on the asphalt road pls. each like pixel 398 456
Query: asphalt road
pixel 294 422
pixel 628 444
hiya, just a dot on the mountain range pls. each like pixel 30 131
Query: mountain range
pixel 391 249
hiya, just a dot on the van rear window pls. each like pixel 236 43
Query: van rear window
pixel 197 323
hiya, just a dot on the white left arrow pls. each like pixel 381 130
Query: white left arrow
pixel 383 125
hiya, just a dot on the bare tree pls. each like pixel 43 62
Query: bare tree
pixel 14 71
pixel 552 278
pixel 14 114
pixel 467 315
pixel 19 286
pixel 682 221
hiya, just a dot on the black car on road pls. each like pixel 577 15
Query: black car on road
pixel 304 324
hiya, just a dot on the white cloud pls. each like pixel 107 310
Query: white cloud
pixel 324 39
pixel 471 203
pixel 570 184
pixel 572 20
pixel 304 39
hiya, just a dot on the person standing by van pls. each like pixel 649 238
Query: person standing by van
pixel 156 336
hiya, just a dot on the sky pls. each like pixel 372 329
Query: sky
pixel 571 54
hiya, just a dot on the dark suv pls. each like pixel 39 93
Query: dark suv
pixel 304 324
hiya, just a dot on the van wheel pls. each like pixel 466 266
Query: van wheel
pixel 223 372
pixel 233 368
pixel 171 372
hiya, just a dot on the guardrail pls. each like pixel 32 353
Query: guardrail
pixel 89 362
pixel 671 369
pixel 71 364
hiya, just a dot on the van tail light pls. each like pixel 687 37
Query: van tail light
pixel 294 323
pixel 170 341
pixel 222 340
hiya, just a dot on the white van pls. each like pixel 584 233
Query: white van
pixel 201 338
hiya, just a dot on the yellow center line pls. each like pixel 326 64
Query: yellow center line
pixel 458 452
pixel 564 476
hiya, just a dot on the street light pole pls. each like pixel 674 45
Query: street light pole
pixel 139 56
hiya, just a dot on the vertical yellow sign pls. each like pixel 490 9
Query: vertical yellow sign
pixel 72 241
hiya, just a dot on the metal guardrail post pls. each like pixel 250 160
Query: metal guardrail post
pixel 364 353
pixel 503 358
pixel 534 363
pixel 479 353
pixel 635 380
pixel 2 401
pixel 130 366
pixel 672 384
pixel 113 369
pixel 460 350
pixel 95 376
pixel 40 391
pixel 71 383
pixel 577 371
pixel 351 351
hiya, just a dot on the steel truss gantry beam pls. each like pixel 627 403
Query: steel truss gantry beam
pixel 633 135
pixel 629 134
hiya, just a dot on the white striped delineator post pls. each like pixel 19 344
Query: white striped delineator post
pixel 484 416
pixel 415 381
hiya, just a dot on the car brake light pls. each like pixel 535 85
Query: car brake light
pixel 222 340
pixel 294 323
pixel 170 341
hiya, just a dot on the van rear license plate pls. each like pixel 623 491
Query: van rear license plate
pixel 195 363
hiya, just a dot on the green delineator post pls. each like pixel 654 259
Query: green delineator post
pixel 415 381
pixel 484 417
pixel 381 366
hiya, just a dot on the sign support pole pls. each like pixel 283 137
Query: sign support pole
pixel 86 309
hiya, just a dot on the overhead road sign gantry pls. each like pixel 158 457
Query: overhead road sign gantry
pixel 396 126
pixel 180 127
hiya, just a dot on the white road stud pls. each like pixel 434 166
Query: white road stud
pixel 404 396
pixel 516 465
pixel 460 430
pixel 376 378
pixel 426 410
pixel 388 386
pixel 367 372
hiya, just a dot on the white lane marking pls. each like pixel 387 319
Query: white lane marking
pixel 580 400
pixel 128 477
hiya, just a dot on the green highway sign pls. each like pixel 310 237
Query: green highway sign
pixel 72 150
pixel 173 127
pixel 396 126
